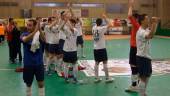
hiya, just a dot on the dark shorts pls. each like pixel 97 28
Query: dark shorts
pixel 61 45
pixel 70 57
pixel 54 49
pixel 132 55
pixel 80 40
pixel 100 55
pixel 31 71
pixel 46 46
pixel 144 66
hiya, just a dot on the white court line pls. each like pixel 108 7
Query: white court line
pixel 6 69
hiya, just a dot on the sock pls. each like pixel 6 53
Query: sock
pixel 142 88
pixel 134 79
pixel 147 80
pixel 78 51
pixel 106 71
pixel 82 51
pixel 28 91
pixel 56 63
pixel 96 69
pixel 41 91
pixel 48 62
pixel 75 71
pixel 44 59
pixel 66 70
pixel 60 64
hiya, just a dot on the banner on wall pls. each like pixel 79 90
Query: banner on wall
pixel 20 22
pixel 26 20
pixel 87 21
pixel 77 12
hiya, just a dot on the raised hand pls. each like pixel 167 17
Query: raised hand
pixel 104 15
pixel 131 2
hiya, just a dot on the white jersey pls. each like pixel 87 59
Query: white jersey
pixel 70 41
pixel 52 35
pixel 79 29
pixel 98 36
pixel 62 34
pixel 143 44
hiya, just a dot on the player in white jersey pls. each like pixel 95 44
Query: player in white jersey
pixel 80 41
pixel 100 53
pixel 143 58
pixel 52 40
pixel 70 49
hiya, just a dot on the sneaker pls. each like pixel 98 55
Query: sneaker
pixel 97 80
pixel 75 80
pixel 81 68
pixel 83 56
pixel 67 80
pixel 132 89
pixel 59 73
pixel 109 80
pixel 48 73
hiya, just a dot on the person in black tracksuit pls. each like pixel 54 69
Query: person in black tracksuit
pixel 17 42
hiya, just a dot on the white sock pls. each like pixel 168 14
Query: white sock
pixel 48 62
pixel 44 59
pixel 106 71
pixel 75 70
pixel 147 81
pixel 96 69
pixel 78 50
pixel 66 70
pixel 29 91
pixel 134 78
pixel 56 62
pixel 60 64
pixel 41 91
pixel 142 88
pixel 82 51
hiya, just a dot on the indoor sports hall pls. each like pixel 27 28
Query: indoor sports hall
pixel 17 41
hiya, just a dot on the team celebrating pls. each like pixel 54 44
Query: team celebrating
pixel 58 42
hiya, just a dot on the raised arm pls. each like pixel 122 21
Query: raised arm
pixel 109 24
pixel 31 35
pixel 55 21
pixel 153 27
pixel 131 2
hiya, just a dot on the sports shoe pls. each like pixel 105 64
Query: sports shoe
pixel 109 80
pixel 132 89
pixel 97 80
pixel 83 56
pixel 67 80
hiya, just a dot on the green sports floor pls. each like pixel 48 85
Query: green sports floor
pixel 11 83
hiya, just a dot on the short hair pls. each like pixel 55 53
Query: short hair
pixel 136 15
pixel 62 13
pixel 49 19
pixel 10 19
pixel 141 18
pixel 73 21
pixel 99 21
pixel 34 21
pixel 44 20
pixel 37 18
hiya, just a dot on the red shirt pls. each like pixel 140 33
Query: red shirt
pixel 9 32
pixel 135 27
